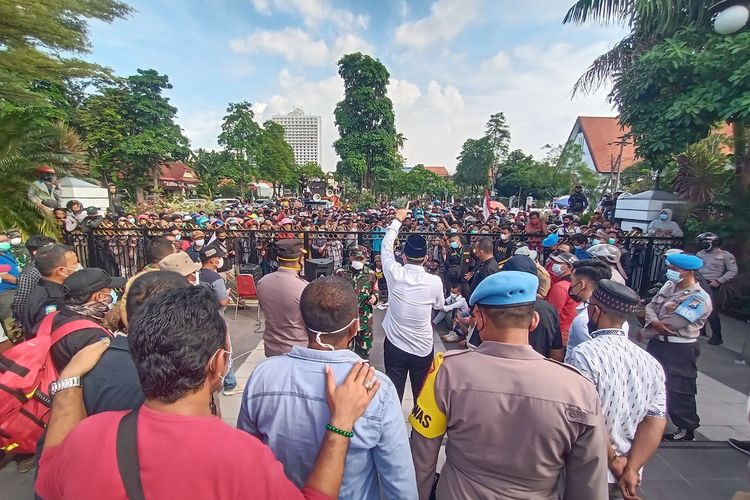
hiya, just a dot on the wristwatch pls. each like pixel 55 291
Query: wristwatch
pixel 66 383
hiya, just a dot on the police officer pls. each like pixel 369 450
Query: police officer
pixel 674 318
pixel 719 266
pixel 515 420
pixel 365 284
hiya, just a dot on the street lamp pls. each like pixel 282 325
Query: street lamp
pixel 731 16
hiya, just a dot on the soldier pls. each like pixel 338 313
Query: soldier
pixel 506 396
pixel 674 318
pixel 719 266
pixel 365 283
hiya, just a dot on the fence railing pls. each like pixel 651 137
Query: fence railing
pixel 122 252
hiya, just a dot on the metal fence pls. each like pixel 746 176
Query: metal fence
pixel 122 252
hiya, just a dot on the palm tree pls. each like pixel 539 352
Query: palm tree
pixel 400 141
pixel 702 172
pixel 650 22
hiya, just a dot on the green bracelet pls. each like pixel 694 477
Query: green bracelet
pixel 341 432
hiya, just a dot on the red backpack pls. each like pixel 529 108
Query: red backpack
pixel 26 370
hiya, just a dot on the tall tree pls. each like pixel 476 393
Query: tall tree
pixel 212 167
pixel 367 145
pixel 474 163
pixel 497 133
pixel 241 137
pixel 276 162
pixel 131 131
pixel 37 39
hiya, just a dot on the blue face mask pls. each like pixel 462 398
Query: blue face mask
pixel 663 217
pixel 673 276
pixel 4 246
pixel 595 241
pixel 454 244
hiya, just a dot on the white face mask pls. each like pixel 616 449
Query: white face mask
pixel 15 241
pixel 504 237
pixel 455 295
pixel 229 363
pixel 198 243
pixel 220 264
pixel 358 265
pixel 329 346
pixel 197 278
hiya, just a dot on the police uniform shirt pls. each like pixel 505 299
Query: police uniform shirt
pixel 718 265
pixel 514 421
pixel 683 311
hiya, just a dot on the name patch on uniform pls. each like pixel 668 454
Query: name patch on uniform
pixel 426 418
pixel 693 307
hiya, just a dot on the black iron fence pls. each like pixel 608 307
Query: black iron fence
pixel 122 252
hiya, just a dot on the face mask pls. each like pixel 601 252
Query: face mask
pixel 198 243
pixel 329 346
pixel 357 265
pixel 197 278
pixel 611 241
pixel 220 264
pixel 74 269
pixel 474 231
pixel 663 217
pixel 177 237
pixel 4 246
pixel 504 237
pixel 575 295
pixel 557 269
pixel 132 221
pixel 111 300
pixel 454 244
pixel 229 363
pixel 15 242
pixel 455 295
pixel 595 241
pixel 674 276
pixel 706 245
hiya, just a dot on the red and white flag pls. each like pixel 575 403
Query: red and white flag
pixel 486 204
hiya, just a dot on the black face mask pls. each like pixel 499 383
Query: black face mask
pixel 706 245
pixel 576 295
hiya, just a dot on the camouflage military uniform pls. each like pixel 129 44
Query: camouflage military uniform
pixel 365 283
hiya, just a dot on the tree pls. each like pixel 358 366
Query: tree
pixel 212 168
pixel 474 163
pixel 276 159
pixel 569 169
pixel 131 131
pixel 38 37
pixel 702 171
pixel 400 141
pixel 367 145
pixel 523 176
pixel 241 136
pixel 498 134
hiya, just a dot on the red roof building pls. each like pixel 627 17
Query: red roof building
pixel 176 178
pixel 439 170
pixel 600 138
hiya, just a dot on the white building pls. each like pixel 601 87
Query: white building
pixel 304 135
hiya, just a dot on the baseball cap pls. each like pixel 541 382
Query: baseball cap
pixel 180 263
pixel 210 252
pixel 90 280
pixel 565 258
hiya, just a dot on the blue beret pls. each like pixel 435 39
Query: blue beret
pixel 685 261
pixel 506 288
pixel 551 240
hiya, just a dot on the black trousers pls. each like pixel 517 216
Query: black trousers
pixel 681 370
pixel 399 363
pixel 714 322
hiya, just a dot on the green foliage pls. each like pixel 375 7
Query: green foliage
pixel 569 169
pixel 130 129
pixel 702 173
pixel 309 170
pixel 368 140
pixel 523 175
pixel 37 39
pixel 276 161
pixel 474 162
pixel 637 178
pixel 212 167
pixel 498 135
pixel 416 183
pixel 241 137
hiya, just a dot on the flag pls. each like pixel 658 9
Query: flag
pixel 486 204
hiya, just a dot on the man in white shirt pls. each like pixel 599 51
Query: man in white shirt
pixel 583 281
pixel 630 383
pixel 455 314
pixel 412 295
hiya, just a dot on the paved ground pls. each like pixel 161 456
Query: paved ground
pixel 706 469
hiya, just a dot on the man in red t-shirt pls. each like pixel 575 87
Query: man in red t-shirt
pixel 179 346
pixel 562 266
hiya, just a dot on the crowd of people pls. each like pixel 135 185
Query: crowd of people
pixel 538 301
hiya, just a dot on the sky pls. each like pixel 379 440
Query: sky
pixel 452 64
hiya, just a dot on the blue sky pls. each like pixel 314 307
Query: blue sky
pixel 452 63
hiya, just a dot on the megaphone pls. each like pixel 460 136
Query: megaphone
pixel 316 197
pixel 329 192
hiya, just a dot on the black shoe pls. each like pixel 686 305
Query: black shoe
pixel 743 446
pixel 679 435
pixel 715 341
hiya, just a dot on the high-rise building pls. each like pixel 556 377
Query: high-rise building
pixel 303 133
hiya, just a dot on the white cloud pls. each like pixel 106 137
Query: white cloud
pixel 314 12
pixel 446 99
pixel 497 63
pixel 202 127
pixel 295 45
pixel 447 19
pixel 403 93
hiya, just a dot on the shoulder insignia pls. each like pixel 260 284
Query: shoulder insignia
pixel 569 367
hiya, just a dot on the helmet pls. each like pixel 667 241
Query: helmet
pixel 708 240
pixel 45 169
